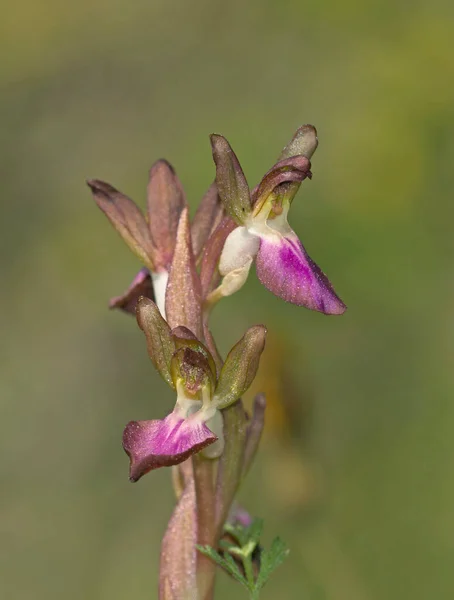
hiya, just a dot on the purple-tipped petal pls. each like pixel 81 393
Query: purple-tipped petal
pixel 154 444
pixel 141 286
pixel 285 268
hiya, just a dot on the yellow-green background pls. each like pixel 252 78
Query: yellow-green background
pixel 364 492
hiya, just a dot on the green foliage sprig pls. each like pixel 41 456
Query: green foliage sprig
pixel 244 559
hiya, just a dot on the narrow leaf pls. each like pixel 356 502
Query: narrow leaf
pixel 234 570
pixel 270 560
pixel 223 563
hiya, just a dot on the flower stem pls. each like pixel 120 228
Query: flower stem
pixel 204 474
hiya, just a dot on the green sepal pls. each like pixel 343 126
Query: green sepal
pixel 160 343
pixel 304 143
pixel 240 367
pixel 230 180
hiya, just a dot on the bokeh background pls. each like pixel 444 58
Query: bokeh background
pixel 356 470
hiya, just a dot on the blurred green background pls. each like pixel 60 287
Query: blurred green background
pixel 360 481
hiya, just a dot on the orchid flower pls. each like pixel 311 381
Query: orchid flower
pixel 263 233
pixel 151 237
pixel 196 422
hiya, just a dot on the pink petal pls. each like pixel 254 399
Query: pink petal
pixel 285 268
pixel 154 444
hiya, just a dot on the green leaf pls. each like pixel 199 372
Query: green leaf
pixel 270 560
pixel 222 562
pixel 238 532
pixel 254 531
pixel 234 568
pixel 248 539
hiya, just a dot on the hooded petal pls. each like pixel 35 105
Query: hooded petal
pixel 154 444
pixel 184 338
pixel 141 286
pixel 285 268
pixel 193 369
pixel 292 168
pixel 283 179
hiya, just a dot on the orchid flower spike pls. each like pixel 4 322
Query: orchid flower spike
pixel 263 233
pixel 196 422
